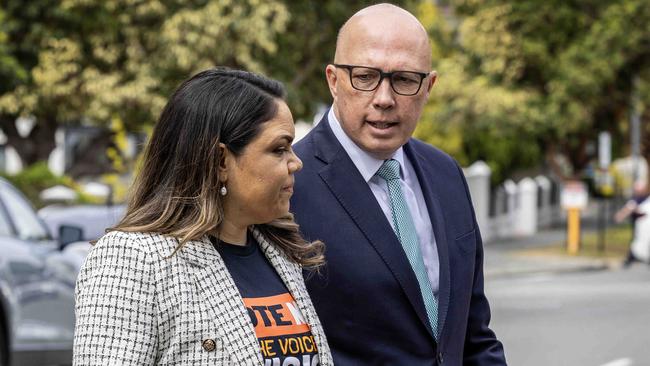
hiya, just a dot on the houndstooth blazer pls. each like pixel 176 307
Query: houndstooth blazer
pixel 136 305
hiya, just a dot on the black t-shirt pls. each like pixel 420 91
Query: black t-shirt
pixel 284 335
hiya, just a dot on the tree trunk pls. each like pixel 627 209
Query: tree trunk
pixel 552 163
pixel 577 153
pixel 37 146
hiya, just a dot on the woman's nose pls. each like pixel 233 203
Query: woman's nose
pixel 295 164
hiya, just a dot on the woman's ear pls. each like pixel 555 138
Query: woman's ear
pixel 224 157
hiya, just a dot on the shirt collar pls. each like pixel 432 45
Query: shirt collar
pixel 365 163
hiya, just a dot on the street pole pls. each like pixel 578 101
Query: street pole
pixel 603 184
pixel 635 131
pixel 602 224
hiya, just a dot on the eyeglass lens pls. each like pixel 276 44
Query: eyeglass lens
pixel 403 82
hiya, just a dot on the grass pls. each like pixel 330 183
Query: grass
pixel 617 243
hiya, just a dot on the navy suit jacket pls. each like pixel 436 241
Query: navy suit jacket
pixel 367 295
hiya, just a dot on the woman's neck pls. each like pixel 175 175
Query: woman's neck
pixel 232 233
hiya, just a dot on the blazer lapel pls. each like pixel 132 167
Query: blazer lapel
pixel 425 175
pixel 357 199
pixel 220 293
pixel 291 275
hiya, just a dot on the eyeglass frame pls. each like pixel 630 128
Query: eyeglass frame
pixel 383 75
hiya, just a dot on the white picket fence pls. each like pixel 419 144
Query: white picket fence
pixel 513 208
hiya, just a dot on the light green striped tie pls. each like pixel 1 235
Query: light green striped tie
pixel 405 230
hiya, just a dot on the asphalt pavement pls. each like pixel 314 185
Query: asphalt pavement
pixel 562 310
pixel 592 318
pixel 508 257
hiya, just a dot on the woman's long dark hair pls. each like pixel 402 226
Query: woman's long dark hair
pixel 176 192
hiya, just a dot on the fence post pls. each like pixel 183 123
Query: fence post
pixel 478 180
pixel 527 208
pixel 510 221
pixel 544 207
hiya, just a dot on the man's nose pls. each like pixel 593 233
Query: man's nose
pixel 383 97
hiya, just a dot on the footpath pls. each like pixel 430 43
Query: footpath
pixel 516 256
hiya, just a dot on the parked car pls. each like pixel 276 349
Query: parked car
pixel 91 219
pixel 37 278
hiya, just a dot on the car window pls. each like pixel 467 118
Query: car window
pixel 27 224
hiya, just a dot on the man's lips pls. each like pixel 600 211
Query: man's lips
pixel 288 188
pixel 381 125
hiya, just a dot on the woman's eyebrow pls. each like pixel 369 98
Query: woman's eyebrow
pixel 286 137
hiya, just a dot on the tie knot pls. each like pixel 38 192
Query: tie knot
pixel 389 170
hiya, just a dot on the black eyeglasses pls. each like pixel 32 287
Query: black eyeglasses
pixel 366 78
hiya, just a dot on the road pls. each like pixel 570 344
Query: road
pixel 597 318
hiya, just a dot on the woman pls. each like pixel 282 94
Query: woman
pixel 206 266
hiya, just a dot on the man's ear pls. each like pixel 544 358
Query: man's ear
pixel 330 75
pixel 432 80
pixel 224 158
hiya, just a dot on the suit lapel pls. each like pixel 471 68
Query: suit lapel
pixel 425 175
pixel 291 275
pixel 220 293
pixel 351 190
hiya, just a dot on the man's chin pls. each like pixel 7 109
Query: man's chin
pixel 383 152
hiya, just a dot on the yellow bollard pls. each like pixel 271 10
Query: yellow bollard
pixel 573 231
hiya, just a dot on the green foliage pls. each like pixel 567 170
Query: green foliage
pixel 91 60
pixel 32 180
pixel 521 80
pixel 10 69
pixel 470 115
pixel 96 60
pixel 120 180
pixel 35 178
pixel 123 57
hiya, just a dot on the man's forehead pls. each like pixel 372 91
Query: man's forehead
pixel 375 44
pixel 381 25
pixel 383 11
pixel 381 16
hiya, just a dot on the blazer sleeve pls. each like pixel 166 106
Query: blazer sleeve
pixel 116 305
pixel 481 344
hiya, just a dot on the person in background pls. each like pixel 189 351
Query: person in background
pixel 403 282
pixel 206 268
pixel 631 209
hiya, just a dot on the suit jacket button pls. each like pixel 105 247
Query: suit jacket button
pixel 209 345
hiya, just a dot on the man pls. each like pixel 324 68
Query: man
pixel 634 208
pixel 403 284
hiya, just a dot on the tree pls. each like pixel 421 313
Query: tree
pixel 94 60
pixel 97 60
pixel 525 78
pixel 307 46
pixel 23 29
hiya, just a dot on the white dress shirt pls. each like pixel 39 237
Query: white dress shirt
pixel 368 166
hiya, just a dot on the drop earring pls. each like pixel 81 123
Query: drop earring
pixel 223 191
